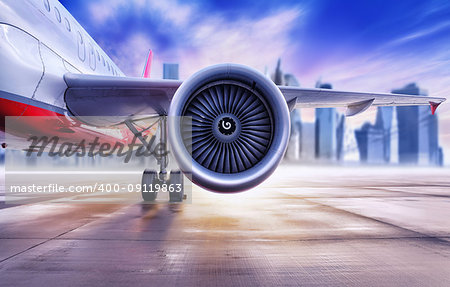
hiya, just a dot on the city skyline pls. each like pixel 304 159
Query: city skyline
pixel 370 46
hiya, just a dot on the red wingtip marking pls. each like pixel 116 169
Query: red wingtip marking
pixel 148 65
pixel 433 107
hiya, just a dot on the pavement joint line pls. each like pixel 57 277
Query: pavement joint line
pixel 368 196
pixel 238 240
pixel 369 187
pixel 381 188
pixel 56 237
pixel 421 234
pixel 23 251
pixel 410 194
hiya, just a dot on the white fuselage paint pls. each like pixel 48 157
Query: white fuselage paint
pixel 39 42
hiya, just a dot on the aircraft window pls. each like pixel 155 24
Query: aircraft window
pixel 57 14
pixel 67 25
pixel 109 68
pixel 98 55
pixel 103 61
pixel 81 48
pixel 47 5
pixel 92 61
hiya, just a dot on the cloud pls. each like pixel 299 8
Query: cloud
pixel 131 54
pixel 170 11
pixel 102 11
pixel 251 42
pixel 420 33
pixel 385 69
pixel 197 38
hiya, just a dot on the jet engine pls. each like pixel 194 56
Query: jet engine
pixel 228 127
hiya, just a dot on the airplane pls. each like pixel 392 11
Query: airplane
pixel 50 66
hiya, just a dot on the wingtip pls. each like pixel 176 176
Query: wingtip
pixel 434 107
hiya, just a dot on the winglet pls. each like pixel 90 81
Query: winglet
pixel 148 65
pixel 433 107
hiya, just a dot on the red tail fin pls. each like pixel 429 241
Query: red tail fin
pixel 148 65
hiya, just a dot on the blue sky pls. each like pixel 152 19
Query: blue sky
pixel 354 44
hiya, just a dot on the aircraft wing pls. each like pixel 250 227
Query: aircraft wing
pixel 355 102
pixel 91 95
pixel 121 97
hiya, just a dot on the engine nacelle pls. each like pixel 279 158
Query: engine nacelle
pixel 240 127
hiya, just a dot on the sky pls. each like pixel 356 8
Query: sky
pixel 355 45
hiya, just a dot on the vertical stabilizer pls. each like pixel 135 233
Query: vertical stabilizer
pixel 148 65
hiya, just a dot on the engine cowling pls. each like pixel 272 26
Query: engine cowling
pixel 240 127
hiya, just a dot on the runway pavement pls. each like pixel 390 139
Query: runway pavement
pixel 306 226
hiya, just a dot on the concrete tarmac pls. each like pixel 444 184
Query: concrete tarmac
pixel 305 226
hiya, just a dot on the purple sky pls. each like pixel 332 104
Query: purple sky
pixel 355 45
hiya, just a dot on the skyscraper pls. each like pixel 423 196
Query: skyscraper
pixel 384 124
pixel 340 134
pixel 278 75
pixel 326 140
pixel 371 140
pixel 291 80
pixel 417 131
pixel 307 142
pixel 293 149
pixel 294 146
pixel 170 71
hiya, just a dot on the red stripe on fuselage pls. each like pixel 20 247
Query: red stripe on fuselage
pixel 10 108
pixel 27 121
